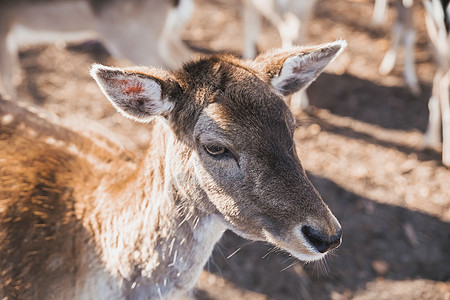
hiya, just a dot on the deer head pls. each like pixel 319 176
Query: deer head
pixel 236 137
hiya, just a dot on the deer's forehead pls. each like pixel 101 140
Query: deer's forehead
pixel 240 122
pixel 235 101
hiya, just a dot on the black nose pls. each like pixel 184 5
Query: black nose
pixel 320 241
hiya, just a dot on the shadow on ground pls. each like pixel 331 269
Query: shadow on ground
pixel 381 242
pixel 363 100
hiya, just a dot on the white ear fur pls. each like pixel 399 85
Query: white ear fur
pixel 300 69
pixel 135 95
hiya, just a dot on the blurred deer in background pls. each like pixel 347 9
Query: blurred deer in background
pixel 80 218
pixel 403 35
pixel 147 32
pixel 438 20
pixel 289 17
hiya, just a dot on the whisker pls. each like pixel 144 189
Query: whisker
pixel 287 259
pixel 321 268
pixel 271 250
pixel 208 265
pixel 291 265
pixel 212 261
pixel 240 248
pixel 219 249
pixel 324 270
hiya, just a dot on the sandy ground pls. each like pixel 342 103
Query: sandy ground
pixel 360 141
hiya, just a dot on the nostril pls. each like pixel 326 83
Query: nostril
pixel 314 239
pixel 321 241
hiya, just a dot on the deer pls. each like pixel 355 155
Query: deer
pixel 437 19
pixel 83 218
pixel 403 36
pixel 289 18
pixel 153 28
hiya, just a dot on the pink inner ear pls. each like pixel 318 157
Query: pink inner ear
pixel 137 89
pixel 130 86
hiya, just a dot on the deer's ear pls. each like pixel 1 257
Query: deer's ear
pixel 292 70
pixel 136 95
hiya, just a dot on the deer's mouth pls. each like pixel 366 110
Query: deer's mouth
pixel 306 243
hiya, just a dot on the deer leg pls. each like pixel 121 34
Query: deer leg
pixel 432 137
pixel 390 58
pixel 170 44
pixel 9 62
pixel 444 88
pixel 409 69
pixel 379 12
pixel 252 25
pixel 289 29
pixel 299 101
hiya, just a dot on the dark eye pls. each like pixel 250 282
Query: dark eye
pixel 215 150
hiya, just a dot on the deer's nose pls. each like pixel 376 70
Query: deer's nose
pixel 321 241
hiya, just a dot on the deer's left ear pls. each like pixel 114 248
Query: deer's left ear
pixel 292 70
pixel 137 94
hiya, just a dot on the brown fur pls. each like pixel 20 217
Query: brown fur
pixel 40 207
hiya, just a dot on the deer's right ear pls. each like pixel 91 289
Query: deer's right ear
pixel 294 69
pixel 136 95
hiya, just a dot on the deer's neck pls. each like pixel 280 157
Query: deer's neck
pixel 150 234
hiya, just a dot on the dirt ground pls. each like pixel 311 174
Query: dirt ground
pixel 360 141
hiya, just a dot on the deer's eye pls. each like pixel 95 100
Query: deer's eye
pixel 215 150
